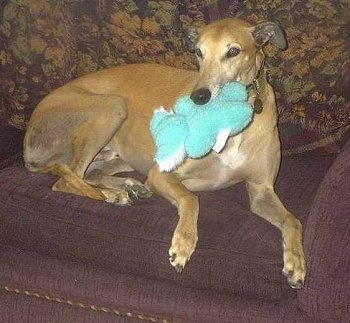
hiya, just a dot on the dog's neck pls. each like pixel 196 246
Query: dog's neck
pixel 254 90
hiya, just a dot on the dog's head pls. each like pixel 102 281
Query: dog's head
pixel 230 50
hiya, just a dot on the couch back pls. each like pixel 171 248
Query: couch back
pixel 47 43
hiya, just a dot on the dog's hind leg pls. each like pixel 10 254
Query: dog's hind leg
pixel 64 140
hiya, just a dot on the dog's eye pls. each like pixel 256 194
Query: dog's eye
pixel 199 53
pixel 232 52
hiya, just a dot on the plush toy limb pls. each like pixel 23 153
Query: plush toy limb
pixel 221 139
pixel 169 131
pixel 173 159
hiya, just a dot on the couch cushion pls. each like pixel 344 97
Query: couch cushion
pixel 238 253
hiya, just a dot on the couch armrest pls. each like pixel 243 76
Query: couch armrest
pixel 326 295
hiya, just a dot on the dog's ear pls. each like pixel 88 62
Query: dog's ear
pixel 191 38
pixel 269 31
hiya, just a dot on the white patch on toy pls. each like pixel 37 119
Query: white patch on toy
pixel 221 139
pixel 162 109
pixel 167 165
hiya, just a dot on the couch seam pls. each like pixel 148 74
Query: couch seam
pixel 84 305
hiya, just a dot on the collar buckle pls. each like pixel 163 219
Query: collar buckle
pixel 254 92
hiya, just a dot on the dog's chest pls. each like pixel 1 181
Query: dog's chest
pixel 218 170
pixel 232 156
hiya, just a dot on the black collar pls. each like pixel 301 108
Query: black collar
pixel 254 91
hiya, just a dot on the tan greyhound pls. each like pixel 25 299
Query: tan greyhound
pixel 98 125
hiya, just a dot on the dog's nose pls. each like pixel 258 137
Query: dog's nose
pixel 201 96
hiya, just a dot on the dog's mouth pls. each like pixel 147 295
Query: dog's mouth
pixel 202 96
pixel 215 90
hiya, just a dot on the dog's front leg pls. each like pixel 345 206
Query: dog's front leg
pixel 265 202
pixel 184 240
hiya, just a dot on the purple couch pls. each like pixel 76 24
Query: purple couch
pixel 66 258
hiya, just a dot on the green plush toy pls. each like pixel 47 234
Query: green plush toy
pixel 191 130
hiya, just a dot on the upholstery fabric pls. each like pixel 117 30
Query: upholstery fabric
pixel 311 77
pixel 60 40
pixel 329 226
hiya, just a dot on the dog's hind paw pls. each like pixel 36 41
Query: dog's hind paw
pixel 127 196
pixel 116 197
pixel 138 192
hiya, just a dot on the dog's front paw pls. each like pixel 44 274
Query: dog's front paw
pixel 182 247
pixel 294 267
